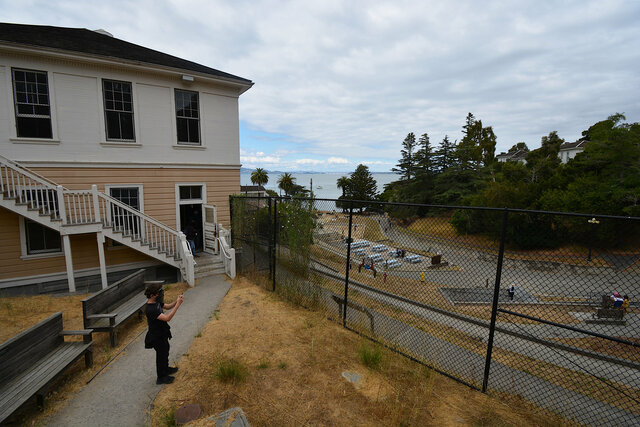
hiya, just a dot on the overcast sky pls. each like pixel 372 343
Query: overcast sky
pixel 339 83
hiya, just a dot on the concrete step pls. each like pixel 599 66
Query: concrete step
pixel 209 273
pixel 202 268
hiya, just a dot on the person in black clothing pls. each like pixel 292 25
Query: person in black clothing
pixel 191 234
pixel 159 332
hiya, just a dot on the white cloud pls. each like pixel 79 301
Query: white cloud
pixel 309 162
pixel 337 161
pixel 348 80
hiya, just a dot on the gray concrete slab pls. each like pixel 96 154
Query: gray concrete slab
pixel 120 395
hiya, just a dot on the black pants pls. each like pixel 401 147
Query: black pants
pixel 161 347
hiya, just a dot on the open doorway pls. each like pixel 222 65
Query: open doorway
pixel 190 198
pixel 192 215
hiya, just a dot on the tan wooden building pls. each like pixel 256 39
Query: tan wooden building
pixel 107 151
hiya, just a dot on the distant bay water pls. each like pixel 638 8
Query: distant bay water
pixel 324 184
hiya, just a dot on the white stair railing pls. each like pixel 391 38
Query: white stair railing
pixel 228 253
pixel 29 188
pixel 142 228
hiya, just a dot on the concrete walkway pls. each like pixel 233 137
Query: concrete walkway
pixel 120 395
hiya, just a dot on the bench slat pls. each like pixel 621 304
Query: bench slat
pixel 123 313
pixel 20 352
pixel 28 383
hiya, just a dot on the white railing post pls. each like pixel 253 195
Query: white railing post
pixel 232 266
pixel 187 259
pixel 96 203
pixel 62 210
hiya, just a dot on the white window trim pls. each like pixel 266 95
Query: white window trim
pixel 13 136
pixel 174 119
pixel 103 122
pixel 202 200
pixel 108 187
pixel 25 255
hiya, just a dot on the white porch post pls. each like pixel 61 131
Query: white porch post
pixel 69 261
pixel 103 266
pixel 99 236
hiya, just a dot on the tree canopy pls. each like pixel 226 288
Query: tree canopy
pixel 259 176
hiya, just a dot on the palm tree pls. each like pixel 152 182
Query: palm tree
pixel 286 183
pixel 343 183
pixel 259 177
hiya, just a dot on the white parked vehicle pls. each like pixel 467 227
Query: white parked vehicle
pixel 414 259
pixel 376 257
pixel 379 248
pixel 392 263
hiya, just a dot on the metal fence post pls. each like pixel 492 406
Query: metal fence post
pixel 346 280
pixel 275 242
pixel 496 295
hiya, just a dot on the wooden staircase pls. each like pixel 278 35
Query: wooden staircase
pixel 89 211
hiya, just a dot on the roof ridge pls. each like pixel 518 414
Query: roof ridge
pixel 83 40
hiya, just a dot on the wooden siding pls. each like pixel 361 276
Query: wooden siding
pixel 159 202
pixel 84 251
pixel 158 185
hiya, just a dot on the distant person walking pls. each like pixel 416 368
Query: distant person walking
pixel 159 332
pixel 512 291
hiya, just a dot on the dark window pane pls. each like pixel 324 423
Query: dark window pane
pixel 126 125
pixel 29 127
pixel 184 193
pixel 113 125
pixel 194 131
pixel 196 192
pixel 183 135
pixel 41 239
pixel 25 109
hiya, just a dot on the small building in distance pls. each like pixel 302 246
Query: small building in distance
pixel 569 150
pixel 515 156
pixel 253 190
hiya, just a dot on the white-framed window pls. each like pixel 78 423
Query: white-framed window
pixel 118 110
pixel 38 240
pixel 187 117
pixel 123 220
pixel 32 103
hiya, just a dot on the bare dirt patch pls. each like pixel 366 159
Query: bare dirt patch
pixel 295 359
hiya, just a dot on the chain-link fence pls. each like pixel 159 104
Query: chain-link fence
pixel 522 304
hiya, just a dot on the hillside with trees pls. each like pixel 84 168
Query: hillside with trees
pixel 603 179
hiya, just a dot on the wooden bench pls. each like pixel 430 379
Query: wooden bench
pixel 108 309
pixel 32 359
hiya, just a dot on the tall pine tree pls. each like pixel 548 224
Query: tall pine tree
pixel 406 165
pixel 424 157
pixel 444 156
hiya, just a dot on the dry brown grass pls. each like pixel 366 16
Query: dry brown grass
pixel 20 313
pixel 295 359
pixel 440 227
pixel 600 345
